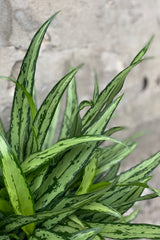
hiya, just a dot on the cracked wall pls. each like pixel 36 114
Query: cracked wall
pixel 105 35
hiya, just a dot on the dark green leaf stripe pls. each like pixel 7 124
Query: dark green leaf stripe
pixel 20 117
pixel 46 112
pixel 129 231
pixel 40 159
pixel 15 183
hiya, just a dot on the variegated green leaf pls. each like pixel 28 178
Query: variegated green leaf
pixel 86 234
pixel 96 89
pixel 111 90
pixel 100 208
pixel 67 205
pixel 20 117
pixel 107 163
pixel 129 231
pixel 71 112
pixel 46 112
pixel 139 172
pixel 88 176
pixel 40 159
pixel 51 134
pixel 71 163
pixel 2 131
pixel 64 172
pixel 15 183
pixel 41 234
pixel 104 119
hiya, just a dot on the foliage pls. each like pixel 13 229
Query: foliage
pixel 70 189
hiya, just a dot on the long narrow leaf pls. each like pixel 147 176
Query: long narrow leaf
pixel 15 183
pixel 40 159
pixel 111 90
pixel 71 110
pixel 129 231
pixel 20 117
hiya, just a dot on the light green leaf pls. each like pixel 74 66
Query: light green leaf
pixel 129 231
pixel 40 159
pixel 110 162
pixel 16 184
pixel 20 117
pixel 100 208
pixel 51 134
pixel 71 112
pixel 88 177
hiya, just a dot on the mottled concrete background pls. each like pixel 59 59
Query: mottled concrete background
pixel 105 35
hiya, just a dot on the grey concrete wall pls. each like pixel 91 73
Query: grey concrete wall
pixel 105 35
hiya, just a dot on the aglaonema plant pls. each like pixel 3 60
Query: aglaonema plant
pixel 69 187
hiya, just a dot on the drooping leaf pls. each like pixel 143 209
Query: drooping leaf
pixel 16 184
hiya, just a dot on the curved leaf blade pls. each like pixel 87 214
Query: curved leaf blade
pixel 40 159
pixel 15 183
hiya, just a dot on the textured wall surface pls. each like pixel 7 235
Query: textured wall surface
pixel 105 35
